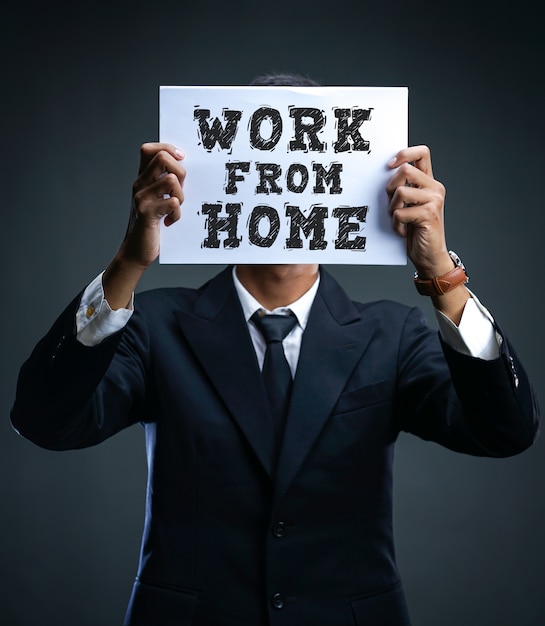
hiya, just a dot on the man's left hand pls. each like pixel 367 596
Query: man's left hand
pixel 416 207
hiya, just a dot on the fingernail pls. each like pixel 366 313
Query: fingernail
pixel 179 154
pixel 392 162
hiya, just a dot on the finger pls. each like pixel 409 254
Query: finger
pixel 153 210
pixel 174 211
pixel 420 156
pixel 161 198
pixel 149 150
pixel 409 176
pixel 412 196
pixel 159 167
pixel 167 187
pixel 173 215
pixel 419 216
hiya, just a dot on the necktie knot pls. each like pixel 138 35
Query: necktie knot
pixel 273 327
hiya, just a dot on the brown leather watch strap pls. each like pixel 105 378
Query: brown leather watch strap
pixel 441 284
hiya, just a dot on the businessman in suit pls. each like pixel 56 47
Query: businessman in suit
pixel 248 522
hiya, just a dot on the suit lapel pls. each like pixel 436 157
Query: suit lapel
pixel 333 343
pixel 218 335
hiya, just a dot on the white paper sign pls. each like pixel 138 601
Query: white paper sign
pixel 284 174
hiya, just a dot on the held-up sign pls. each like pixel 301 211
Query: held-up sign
pixel 284 174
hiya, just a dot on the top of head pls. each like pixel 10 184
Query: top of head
pixel 283 80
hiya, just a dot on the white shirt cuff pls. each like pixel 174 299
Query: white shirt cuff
pixel 95 320
pixel 476 335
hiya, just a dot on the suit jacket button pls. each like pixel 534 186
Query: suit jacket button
pixel 278 601
pixel 280 529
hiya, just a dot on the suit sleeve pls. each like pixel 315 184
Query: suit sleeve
pixel 484 408
pixel 71 396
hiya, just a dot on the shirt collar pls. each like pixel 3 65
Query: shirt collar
pixel 300 308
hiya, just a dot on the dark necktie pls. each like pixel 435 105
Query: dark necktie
pixel 276 371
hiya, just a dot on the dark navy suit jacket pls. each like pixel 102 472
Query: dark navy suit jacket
pixel 233 538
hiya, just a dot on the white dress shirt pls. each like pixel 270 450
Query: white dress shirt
pixel 300 308
pixel 474 336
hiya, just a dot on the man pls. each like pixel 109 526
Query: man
pixel 250 522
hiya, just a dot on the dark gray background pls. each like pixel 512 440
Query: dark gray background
pixel 80 85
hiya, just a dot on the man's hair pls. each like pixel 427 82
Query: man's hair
pixel 284 80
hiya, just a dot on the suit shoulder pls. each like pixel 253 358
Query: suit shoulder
pixel 395 314
pixel 384 307
pixel 343 306
pixel 166 298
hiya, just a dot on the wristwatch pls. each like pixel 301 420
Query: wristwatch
pixel 440 285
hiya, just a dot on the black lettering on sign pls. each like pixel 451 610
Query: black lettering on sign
pixel 257 215
pixel 302 172
pixel 331 177
pixel 210 134
pixel 216 223
pixel 346 130
pixel 344 214
pixel 256 121
pixel 232 177
pixel 311 225
pixel 268 175
pixel 310 128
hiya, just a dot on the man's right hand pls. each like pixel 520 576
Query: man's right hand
pixel 157 194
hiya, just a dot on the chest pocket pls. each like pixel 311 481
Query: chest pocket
pixel 364 396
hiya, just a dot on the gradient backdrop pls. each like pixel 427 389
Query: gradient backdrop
pixel 80 85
